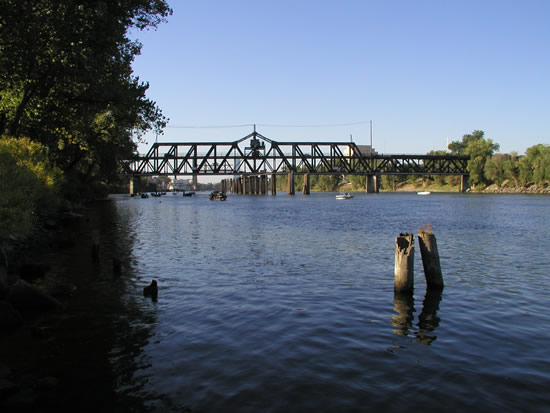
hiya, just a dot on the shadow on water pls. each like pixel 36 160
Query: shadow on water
pixel 92 348
pixel 428 320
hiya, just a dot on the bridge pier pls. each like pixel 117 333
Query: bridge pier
pixel 464 184
pixel 373 184
pixel 131 185
pixel 291 183
pixel 273 184
pixel 306 188
pixel 195 182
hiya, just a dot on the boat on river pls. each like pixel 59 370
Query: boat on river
pixel 423 193
pixel 217 196
pixel 344 195
pixel 188 193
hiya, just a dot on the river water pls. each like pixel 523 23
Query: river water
pixel 286 303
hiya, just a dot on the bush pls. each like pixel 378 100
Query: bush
pixel 28 184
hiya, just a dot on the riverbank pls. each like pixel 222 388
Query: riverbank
pixel 505 188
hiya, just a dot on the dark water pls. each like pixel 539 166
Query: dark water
pixel 279 304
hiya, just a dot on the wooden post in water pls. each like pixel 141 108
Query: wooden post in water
pixel 430 259
pixel 404 263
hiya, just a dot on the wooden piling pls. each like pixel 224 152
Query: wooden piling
pixel 404 263
pixel 430 259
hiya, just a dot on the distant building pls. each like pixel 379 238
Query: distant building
pixel 366 150
pixel 180 185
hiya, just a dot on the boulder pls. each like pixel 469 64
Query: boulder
pixel 9 317
pixel 24 296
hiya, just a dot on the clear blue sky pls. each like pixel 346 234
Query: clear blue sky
pixel 421 70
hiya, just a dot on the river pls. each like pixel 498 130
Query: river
pixel 286 303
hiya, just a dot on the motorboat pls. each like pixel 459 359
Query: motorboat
pixel 423 193
pixel 188 193
pixel 344 195
pixel 217 196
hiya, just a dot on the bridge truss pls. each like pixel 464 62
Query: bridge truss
pixel 261 156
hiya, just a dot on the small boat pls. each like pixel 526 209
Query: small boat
pixel 188 193
pixel 344 195
pixel 144 196
pixel 423 193
pixel 217 196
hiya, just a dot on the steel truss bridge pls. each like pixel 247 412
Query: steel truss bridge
pixel 255 154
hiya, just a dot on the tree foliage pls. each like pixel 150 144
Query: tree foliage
pixel 28 183
pixel 66 79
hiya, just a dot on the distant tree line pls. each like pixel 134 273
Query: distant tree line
pixel 485 168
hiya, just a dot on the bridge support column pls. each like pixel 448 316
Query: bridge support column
pixel 264 184
pixel 273 184
pixel 464 185
pixel 195 182
pixel 372 185
pixel 131 185
pixel 306 188
pixel 291 183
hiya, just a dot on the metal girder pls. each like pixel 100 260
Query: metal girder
pixel 267 156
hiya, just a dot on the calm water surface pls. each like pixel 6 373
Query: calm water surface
pixel 282 304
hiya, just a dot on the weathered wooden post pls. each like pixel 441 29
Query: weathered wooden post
pixel 430 259
pixel 404 263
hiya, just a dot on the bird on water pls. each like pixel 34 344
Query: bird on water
pixel 151 290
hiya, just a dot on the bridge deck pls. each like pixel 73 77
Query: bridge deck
pixel 265 156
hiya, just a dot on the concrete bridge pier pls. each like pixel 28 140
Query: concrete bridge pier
pixel 306 188
pixel 131 185
pixel 291 183
pixel 464 185
pixel 373 184
pixel 195 182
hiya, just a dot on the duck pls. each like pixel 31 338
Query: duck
pixel 151 290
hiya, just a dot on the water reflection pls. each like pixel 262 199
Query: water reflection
pixel 428 321
pixel 403 304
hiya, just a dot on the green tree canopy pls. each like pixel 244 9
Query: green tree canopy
pixel 479 149
pixel 66 79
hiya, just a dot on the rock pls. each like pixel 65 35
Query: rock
pixel 24 296
pixel 31 272
pixel 3 283
pixel 151 290
pixel 9 317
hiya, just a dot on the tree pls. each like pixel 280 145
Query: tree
pixel 479 149
pixel 66 79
